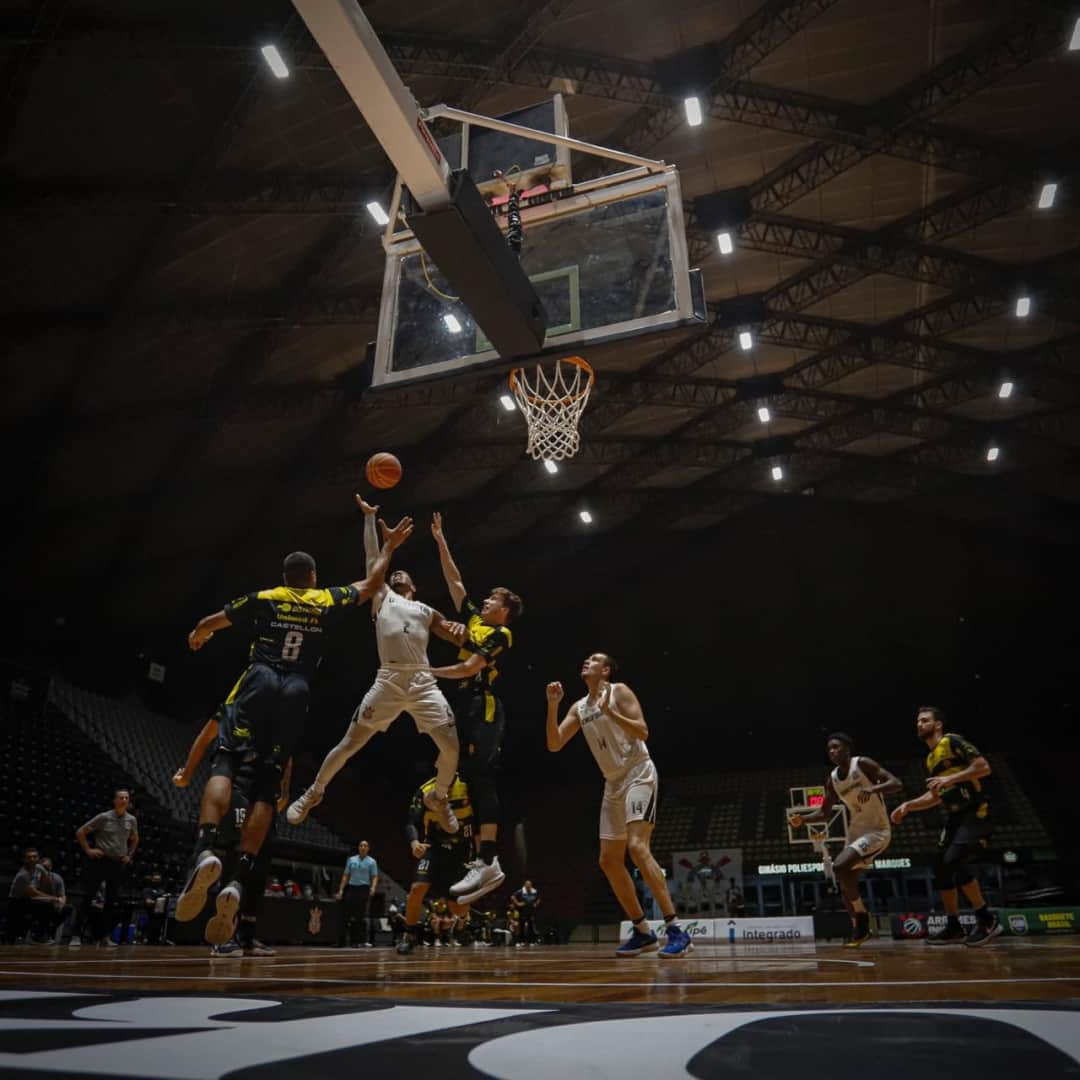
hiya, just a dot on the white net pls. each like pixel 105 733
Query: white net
pixel 553 405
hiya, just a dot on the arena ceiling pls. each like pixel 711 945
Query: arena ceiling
pixel 191 279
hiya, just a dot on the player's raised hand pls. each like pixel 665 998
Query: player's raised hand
pixel 198 638
pixel 396 536
pixel 436 528
pixel 365 506
pixel 554 692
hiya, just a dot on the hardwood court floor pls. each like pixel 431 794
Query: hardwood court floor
pixel 1044 970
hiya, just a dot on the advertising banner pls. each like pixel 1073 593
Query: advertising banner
pixel 706 881
pixel 1022 922
pixel 778 930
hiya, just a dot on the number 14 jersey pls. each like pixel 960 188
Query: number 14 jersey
pixel 287 626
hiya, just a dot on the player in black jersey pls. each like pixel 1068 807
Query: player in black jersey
pixel 228 790
pixel 480 718
pixel 265 711
pixel 957 771
pixel 441 855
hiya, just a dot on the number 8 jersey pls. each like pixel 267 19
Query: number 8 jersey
pixel 287 626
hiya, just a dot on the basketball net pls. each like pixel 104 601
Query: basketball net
pixel 819 835
pixel 553 405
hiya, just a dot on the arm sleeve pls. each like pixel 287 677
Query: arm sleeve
pixel 491 646
pixel 415 821
pixel 241 611
pixel 374 867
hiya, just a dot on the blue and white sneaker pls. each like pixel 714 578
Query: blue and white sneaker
pixel 678 943
pixel 638 943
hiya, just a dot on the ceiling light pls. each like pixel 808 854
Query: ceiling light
pixel 993 453
pixel 273 58
pixel 763 414
pixel 777 472
pixel 452 323
pixel 1005 389
pixel 1046 196
pixel 727 246
pixel 1023 307
pixel 693 111
pixel 746 340
pixel 378 213
pixel 1074 41
pixel 507 402
pixel 585 516
pixel 551 466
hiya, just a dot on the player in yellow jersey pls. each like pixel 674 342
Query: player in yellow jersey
pixel 480 718
pixel 441 856
pixel 263 715
pixel 957 771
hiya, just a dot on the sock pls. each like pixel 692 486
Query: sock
pixel 642 925
pixel 413 931
pixel 246 872
pixel 319 789
pixel 669 919
pixel 207 839
pixel 488 851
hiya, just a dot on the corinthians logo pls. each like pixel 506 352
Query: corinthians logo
pixel 203 1038
pixel 314 923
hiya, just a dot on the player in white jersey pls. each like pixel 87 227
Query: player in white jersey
pixel 861 784
pixel 613 723
pixel 403 683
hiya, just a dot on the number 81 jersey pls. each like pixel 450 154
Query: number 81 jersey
pixel 288 626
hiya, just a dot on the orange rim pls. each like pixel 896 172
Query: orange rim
pixel 521 390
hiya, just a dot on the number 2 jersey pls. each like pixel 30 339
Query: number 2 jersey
pixel 288 626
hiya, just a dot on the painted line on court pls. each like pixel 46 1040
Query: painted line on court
pixel 504 983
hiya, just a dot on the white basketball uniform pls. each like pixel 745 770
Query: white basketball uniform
pixel 631 783
pixel 404 682
pixel 868 829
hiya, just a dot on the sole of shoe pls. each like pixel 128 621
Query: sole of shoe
pixel 193 899
pixel 222 926
pixel 487 887
pixel 638 952
pixel 298 811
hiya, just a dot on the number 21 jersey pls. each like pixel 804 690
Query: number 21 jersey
pixel 287 626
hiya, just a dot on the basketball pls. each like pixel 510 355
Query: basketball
pixel 383 470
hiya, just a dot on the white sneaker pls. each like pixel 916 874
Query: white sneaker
pixel 440 806
pixel 520 945
pixel 193 899
pixel 303 806
pixel 479 881
pixel 438 944
pixel 75 942
pixel 222 926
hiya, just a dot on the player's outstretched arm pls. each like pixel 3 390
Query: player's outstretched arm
pixel 559 734
pixel 821 813
pixel 392 540
pixel 926 801
pixel 454 632
pixel 205 629
pixel 620 703
pixel 976 770
pixel 449 568
pixel 465 670
pixel 371 542
pixel 182 776
pixel 883 781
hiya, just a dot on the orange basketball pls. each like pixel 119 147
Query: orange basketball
pixel 383 470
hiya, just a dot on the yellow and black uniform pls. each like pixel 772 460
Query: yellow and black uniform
pixel 444 861
pixel 966 811
pixel 480 717
pixel 263 714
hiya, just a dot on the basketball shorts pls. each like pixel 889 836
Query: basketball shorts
pixel 253 780
pixel 441 866
pixel 966 832
pixel 869 845
pixel 395 692
pixel 632 797
pixel 264 714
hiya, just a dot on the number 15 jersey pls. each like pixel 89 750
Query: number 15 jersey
pixel 287 626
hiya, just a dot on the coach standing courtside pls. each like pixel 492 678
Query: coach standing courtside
pixel 116 836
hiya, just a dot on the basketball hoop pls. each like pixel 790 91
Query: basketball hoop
pixel 553 406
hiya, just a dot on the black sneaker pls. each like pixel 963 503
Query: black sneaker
pixel 951 935
pixel 254 947
pixel 984 933
pixel 405 946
